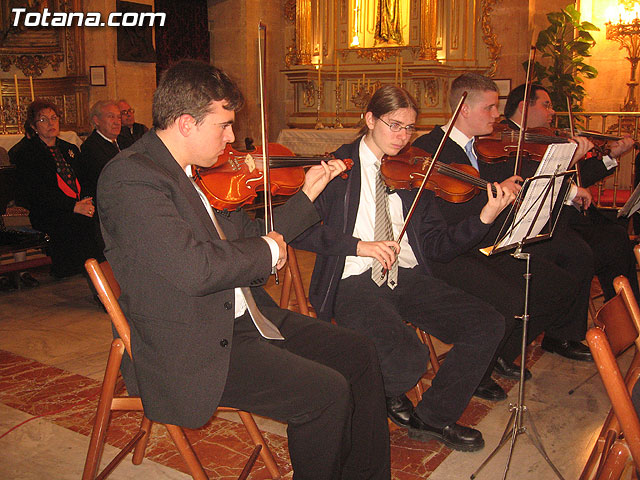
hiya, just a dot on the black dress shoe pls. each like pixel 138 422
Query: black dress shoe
pixel 509 370
pixel 567 348
pixel 490 390
pixel 399 410
pixel 27 280
pixel 454 436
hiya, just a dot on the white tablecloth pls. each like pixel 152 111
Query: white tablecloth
pixel 316 142
pixel 8 141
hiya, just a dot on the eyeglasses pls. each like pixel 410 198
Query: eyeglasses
pixel 396 127
pixel 547 105
pixel 51 119
pixel 131 111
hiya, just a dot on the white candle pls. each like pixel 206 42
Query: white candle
pixel 31 85
pixel 337 71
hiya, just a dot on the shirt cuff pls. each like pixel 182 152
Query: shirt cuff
pixel 573 191
pixel 275 250
pixel 609 162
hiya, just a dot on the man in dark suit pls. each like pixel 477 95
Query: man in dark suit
pixel 130 131
pixel 558 295
pixel 194 342
pixel 608 239
pixel 102 145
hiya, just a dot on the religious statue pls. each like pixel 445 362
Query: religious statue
pixel 388 23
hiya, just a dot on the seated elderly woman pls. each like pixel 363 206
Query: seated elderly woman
pixel 53 181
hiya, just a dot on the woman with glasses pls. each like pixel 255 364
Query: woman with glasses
pixel 356 241
pixel 53 180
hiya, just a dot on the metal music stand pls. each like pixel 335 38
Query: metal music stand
pixel 523 225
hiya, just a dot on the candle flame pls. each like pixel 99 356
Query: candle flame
pixel 621 14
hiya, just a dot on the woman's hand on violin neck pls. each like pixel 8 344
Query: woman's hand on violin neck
pixel 495 204
pixel 512 184
pixel 317 177
pixel 584 145
pixel 282 248
pixel 620 147
pixel 385 251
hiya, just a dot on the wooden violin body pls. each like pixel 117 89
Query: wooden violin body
pixel 237 177
pixel 454 183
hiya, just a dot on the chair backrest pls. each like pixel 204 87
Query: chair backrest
pixel 105 283
pixel 619 318
pixel 616 388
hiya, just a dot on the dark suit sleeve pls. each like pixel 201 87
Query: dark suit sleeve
pixel 592 170
pixel 138 214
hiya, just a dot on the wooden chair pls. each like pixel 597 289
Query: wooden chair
pixel 109 290
pixel 619 320
pixel 627 436
pixel 636 251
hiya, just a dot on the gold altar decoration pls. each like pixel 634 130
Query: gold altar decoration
pixel 428 43
pixel 624 27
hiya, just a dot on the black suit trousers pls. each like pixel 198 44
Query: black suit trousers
pixel 472 326
pixel 325 383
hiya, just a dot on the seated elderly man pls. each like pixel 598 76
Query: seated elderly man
pixel 130 131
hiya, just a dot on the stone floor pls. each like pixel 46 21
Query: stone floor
pixel 53 347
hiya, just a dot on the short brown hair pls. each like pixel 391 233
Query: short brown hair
pixel 188 87
pixel 473 84
pixel 32 113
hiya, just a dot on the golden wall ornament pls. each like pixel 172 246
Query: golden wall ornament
pixel 428 30
pixel 303 31
pixel 377 54
pixel 308 94
pixel 289 10
pixel 430 92
pixel 31 65
pixel 489 36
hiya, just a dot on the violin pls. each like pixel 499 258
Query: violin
pixel 237 176
pixel 502 144
pixel 455 183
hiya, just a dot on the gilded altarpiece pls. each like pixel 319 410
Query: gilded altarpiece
pixel 50 58
pixel 359 45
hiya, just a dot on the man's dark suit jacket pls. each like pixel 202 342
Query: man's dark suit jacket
pixel 127 138
pixel 177 277
pixel 333 240
pixel 96 153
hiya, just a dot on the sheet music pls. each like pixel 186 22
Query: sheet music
pixel 632 205
pixel 556 160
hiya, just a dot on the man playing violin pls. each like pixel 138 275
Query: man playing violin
pixel 370 283
pixel 498 279
pixel 608 240
pixel 193 336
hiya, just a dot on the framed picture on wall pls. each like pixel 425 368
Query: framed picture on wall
pixel 98 75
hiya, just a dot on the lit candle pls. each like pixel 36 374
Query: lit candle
pixel 401 67
pixel 369 84
pixel 337 71
pixel 358 84
pixel 31 85
pixel 15 81
pixel 318 67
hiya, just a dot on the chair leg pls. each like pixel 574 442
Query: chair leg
pixel 258 439
pixel 141 446
pixel 296 279
pixel 103 413
pixel 615 462
pixel 433 357
pixel 187 453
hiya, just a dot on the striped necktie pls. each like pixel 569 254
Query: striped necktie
pixel 383 231
pixel 266 328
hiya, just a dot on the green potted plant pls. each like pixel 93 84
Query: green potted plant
pixel 561 50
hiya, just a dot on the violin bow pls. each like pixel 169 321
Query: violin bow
pixel 433 162
pixel 268 201
pixel 572 129
pixel 525 111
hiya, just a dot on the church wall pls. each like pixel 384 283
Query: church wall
pixel 233 25
pixel 135 81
